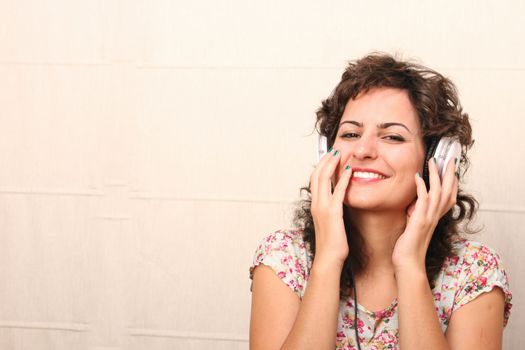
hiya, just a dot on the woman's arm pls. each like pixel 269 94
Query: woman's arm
pixel 274 309
pixel 281 321
pixel 478 324
pixel 419 326
pixel 314 318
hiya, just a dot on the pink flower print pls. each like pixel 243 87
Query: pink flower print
pixel 302 275
pixel 360 325
pixel 384 314
pixel 437 296
pixel 387 338
pixel 298 268
pixel 286 259
pixel 483 281
pixel 490 259
pixel 281 274
pixel 347 320
pixel 443 316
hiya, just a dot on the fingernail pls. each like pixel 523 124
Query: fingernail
pixel 336 153
pixel 347 167
pixel 434 159
pixel 418 174
pixel 330 150
pixel 456 161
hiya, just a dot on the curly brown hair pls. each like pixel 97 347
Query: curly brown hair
pixel 436 102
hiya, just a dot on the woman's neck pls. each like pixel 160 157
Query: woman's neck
pixel 379 232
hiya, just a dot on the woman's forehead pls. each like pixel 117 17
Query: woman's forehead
pixel 381 105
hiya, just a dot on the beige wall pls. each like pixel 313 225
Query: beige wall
pixel 147 146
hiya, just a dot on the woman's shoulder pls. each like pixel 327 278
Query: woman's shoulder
pixel 467 252
pixel 287 253
pixel 284 237
pixel 472 269
pixel 471 258
pixel 284 242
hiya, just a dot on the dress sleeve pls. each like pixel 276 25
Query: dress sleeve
pixel 482 271
pixel 285 253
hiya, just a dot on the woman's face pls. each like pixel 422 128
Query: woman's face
pixel 379 136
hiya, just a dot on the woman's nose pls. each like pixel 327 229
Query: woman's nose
pixel 365 147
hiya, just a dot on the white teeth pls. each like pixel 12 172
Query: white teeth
pixel 367 175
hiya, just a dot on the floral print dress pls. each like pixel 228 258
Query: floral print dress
pixel 475 269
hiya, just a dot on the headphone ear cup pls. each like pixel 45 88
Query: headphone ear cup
pixel 431 144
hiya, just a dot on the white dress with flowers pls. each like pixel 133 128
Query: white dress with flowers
pixel 474 270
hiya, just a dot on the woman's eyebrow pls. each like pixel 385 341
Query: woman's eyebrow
pixel 387 125
pixel 380 126
pixel 352 122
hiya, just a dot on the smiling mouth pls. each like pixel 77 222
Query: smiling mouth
pixel 365 175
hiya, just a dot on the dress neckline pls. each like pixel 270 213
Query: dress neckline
pixel 386 312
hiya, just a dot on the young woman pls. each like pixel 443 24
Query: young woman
pixel 379 226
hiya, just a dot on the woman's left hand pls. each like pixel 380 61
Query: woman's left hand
pixel 423 216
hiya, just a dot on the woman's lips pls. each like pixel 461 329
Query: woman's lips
pixel 362 179
pixel 367 175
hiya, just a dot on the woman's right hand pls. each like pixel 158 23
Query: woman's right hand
pixel 331 245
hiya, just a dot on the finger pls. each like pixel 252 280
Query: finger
pixel 342 185
pixel 314 177
pixel 454 195
pixel 324 182
pixel 326 156
pixel 435 186
pixel 422 196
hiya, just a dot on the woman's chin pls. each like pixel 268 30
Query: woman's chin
pixel 363 203
pixel 373 204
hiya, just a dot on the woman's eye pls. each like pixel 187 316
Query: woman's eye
pixel 350 135
pixel 395 138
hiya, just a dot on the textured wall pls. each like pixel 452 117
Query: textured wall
pixel 147 146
